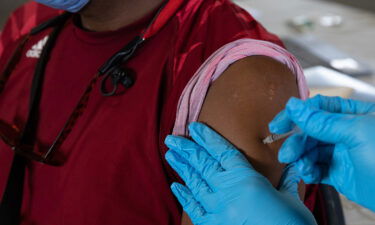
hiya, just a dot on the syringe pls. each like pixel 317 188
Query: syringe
pixel 275 137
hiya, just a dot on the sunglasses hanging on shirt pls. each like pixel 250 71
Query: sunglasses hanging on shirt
pixel 112 74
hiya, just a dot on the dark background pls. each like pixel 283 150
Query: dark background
pixel 364 4
pixel 6 7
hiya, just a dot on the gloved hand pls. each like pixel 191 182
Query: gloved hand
pixel 222 188
pixel 336 145
pixel 67 5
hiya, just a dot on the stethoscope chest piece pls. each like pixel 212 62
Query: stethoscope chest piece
pixel 117 77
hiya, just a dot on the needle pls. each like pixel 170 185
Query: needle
pixel 275 137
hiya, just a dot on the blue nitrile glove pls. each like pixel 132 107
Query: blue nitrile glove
pixel 222 188
pixel 67 5
pixel 336 145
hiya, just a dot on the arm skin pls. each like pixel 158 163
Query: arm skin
pixel 241 103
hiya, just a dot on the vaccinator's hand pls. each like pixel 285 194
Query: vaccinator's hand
pixel 336 145
pixel 222 188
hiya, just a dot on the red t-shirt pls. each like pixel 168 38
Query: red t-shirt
pixel 115 171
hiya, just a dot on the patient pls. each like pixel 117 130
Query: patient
pixel 114 172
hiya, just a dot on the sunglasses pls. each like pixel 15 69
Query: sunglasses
pixel 16 137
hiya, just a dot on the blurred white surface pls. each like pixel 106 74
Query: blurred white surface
pixel 7 6
pixel 357 215
pixel 322 77
pixel 356 34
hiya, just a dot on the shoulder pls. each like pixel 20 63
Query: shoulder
pixel 22 20
pixel 29 15
pixel 215 23
pixel 255 88
pixel 241 103
pixel 204 26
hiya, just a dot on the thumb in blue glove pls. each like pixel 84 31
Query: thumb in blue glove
pixel 336 146
pixel 222 188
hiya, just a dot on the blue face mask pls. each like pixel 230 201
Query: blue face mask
pixel 67 5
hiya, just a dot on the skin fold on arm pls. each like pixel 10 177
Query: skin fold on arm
pixel 241 103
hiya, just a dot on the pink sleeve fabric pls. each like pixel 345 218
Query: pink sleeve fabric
pixel 194 94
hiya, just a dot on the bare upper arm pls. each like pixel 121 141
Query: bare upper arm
pixel 242 102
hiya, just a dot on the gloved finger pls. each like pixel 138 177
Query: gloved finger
pixel 306 165
pixel 295 147
pixel 189 175
pixel 190 205
pixel 281 124
pixel 311 178
pixel 317 155
pixel 326 178
pixel 289 181
pixel 197 156
pixel 318 176
pixel 309 172
pixel 341 105
pixel 218 147
pixel 309 167
pixel 327 127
